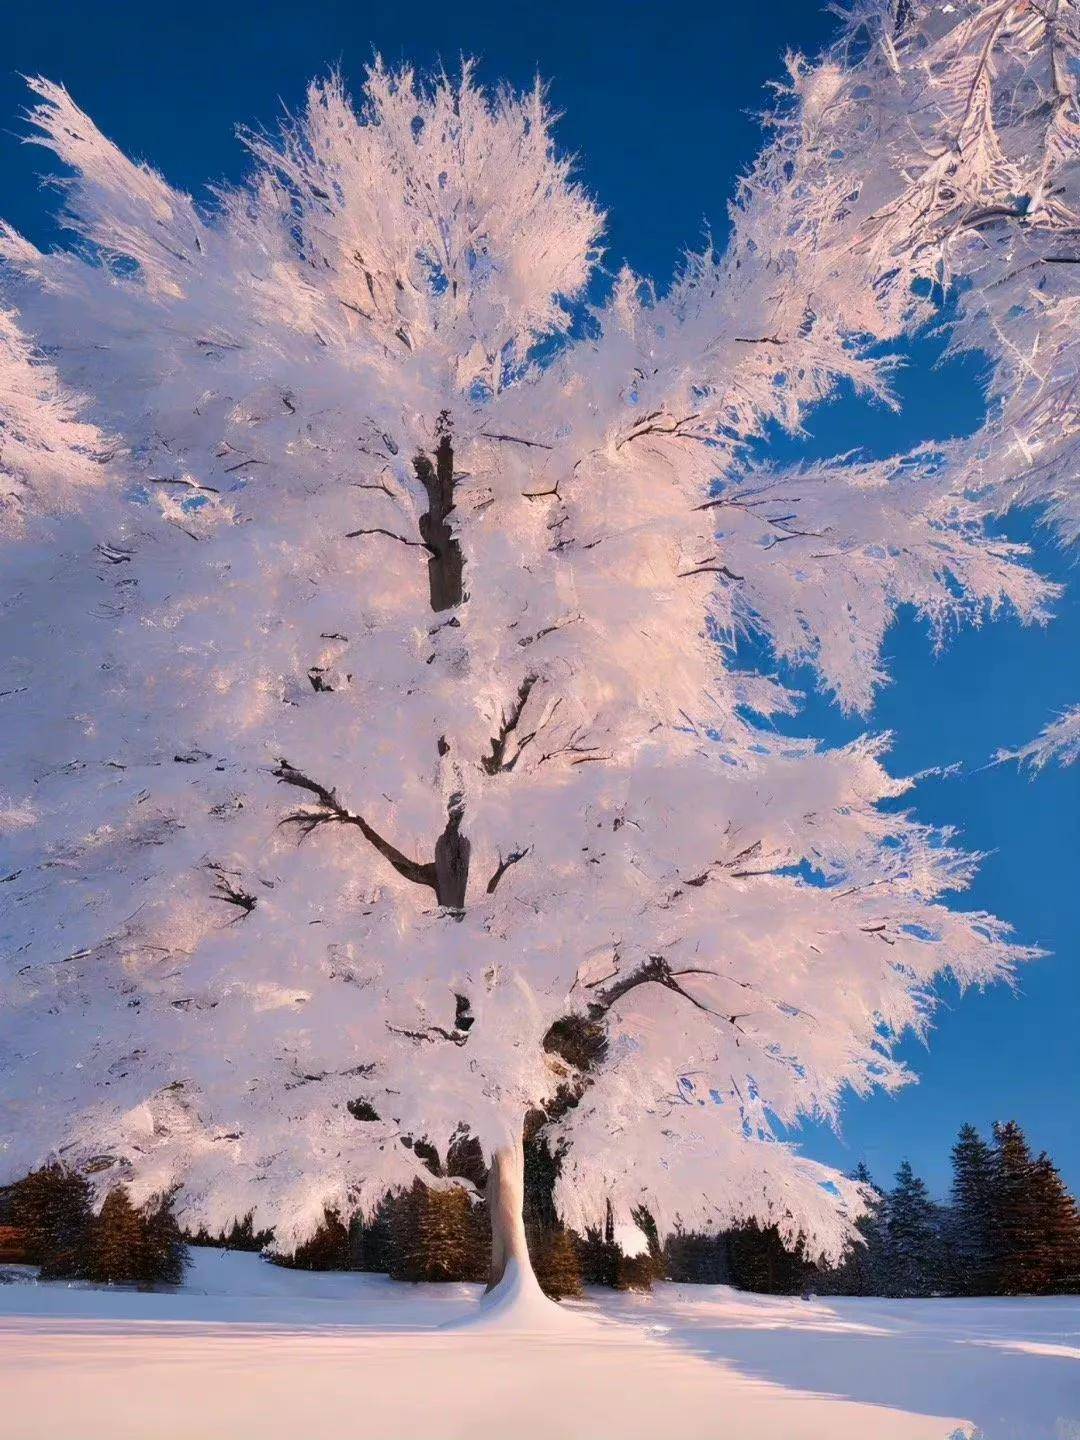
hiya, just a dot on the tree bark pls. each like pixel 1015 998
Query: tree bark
pixel 452 860
pixel 446 563
pixel 506 1199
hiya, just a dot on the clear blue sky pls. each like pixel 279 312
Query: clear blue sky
pixel 659 105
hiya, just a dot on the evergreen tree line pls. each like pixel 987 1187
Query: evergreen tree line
pixel 1010 1228
pixel 118 1245
pixel 432 1233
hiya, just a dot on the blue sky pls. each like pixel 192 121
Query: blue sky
pixel 659 105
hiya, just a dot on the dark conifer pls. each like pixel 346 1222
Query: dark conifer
pixel 968 1224
pixel 1058 1220
pixel 555 1261
pixel 240 1235
pixel 53 1206
pixel 862 1271
pixel 913 1260
pixel 334 1246
pixel 604 1263
pixel 116 1242
pixel 376 1252
pixel 870 1260
pixel 599 1256
pixel 760 1262
pixel 696 1259
pixel 1018 1264
pixel 436 1236
pixel 163 1256
pixel 129 1246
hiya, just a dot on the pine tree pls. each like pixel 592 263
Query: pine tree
pixel 556 1262
pixel 52 1205
pixel 436 1236
pixel 761 1262
pixel 241 1235
pixel 334 1246
pixel 912 1238
pixel 603 1261
pixel 130 1246
pixel 599 1255
pixel 162 1256
pixel 1018 1264
pixel 696 1259
pixel 377 1250
pixel 862 1271
pixel 969 1221
pixel 116 1242
pixel 870 1264
pixel 1058 1219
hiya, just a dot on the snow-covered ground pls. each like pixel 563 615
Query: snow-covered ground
pixel 246 1351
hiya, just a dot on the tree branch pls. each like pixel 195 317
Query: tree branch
pixel 504 865
pixel 655 971
pixel 332 811
pixel 390 535
pixel 709 570
pixel 432 1033
pixel 648 426
pixel 517 440
pixel 228 892
pixel 496 762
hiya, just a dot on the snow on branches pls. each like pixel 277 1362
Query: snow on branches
pixel 1059 740
pixel 390 725
pixel 46 452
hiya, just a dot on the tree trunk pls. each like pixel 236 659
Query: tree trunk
pixel 452 859
pixel 510 1263
pixel 445 563
pixel 514 1300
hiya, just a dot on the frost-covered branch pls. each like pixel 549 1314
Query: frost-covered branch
pixel 1058 741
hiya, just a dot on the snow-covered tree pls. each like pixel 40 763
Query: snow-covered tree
pixel 388 712
pixel 47 453
pixel 984 128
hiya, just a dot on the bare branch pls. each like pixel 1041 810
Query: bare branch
pixel 504 865
pixel 517 440
pixel 228 892
pixel 331 811
pixel 655 971
pixel 496 762
pixel 390 535
pixel 709 570
pixel 431 1034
